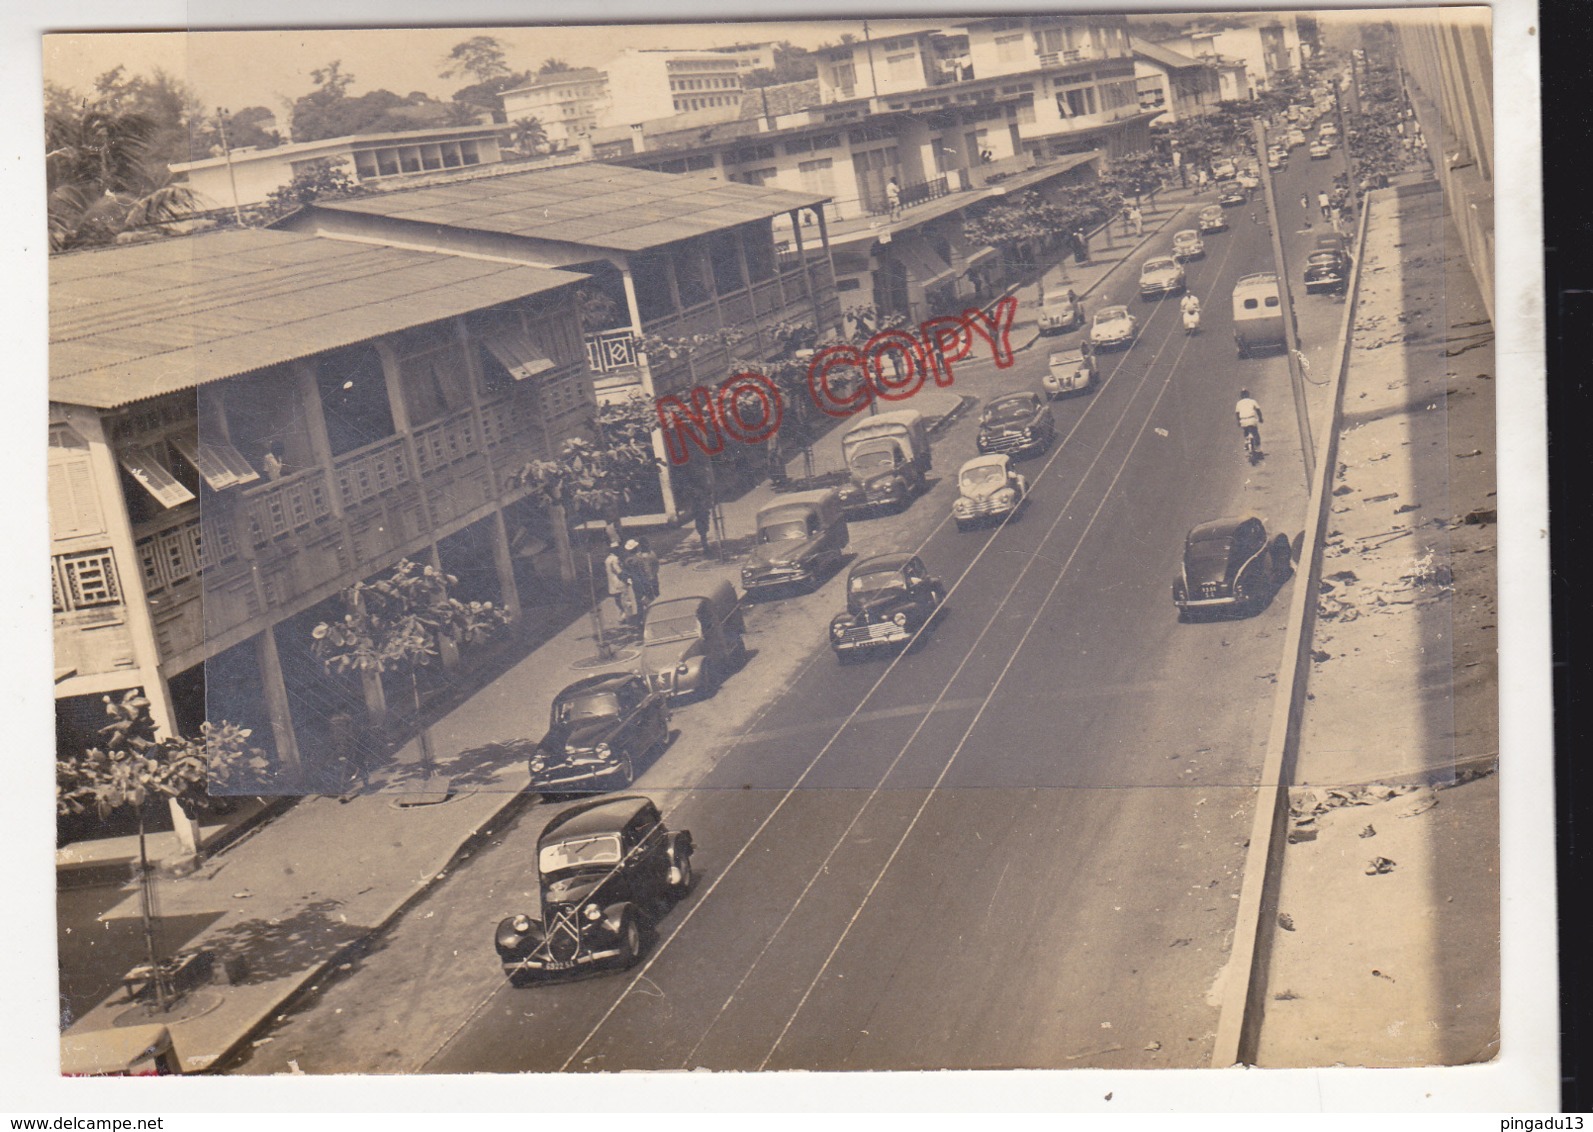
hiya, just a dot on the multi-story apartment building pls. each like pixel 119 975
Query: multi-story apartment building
pixel 1233 72
pixel 1174 85
pixel 749 56
pixel 646 83
pixel 248 176
pixel 566 103
pixel 681 260
pixel 244 423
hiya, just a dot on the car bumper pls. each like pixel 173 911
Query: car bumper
pixel 1204 602
pixel 1155 290
pixel 1111 343
pixel 512 967
pixel 867 637
pixel 1056 387
pixel 775 580
pixel 983 512
pixel 566 778
pixel 1327 283
pixel 1011 445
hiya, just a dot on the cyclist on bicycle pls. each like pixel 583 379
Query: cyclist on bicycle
pixel 1248 410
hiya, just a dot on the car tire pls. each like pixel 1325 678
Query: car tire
pixel 630 934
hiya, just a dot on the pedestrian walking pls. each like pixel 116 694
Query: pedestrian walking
pixel 700 515
pixel 1081 246
pixel 1137 218
pixel 1305 205
pixel 1323 203
pixel 1204 179
pixel 619 582
pixel 893 197
pixel 644 571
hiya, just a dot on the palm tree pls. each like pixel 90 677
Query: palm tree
pixel 529 135
pixel 102 179
pixel 553 67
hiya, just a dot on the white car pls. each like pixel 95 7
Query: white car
pixel 1296 137
pixel 1161 275
pixel 1113 326
pixel 1320 150
pixel 1222 168
pixel 1069 371
pixel 988 489
pixel 1061 313
pixel 1212 218
pixel 1249 178
pixel 1188 245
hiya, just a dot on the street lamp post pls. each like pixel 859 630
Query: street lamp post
pixel 1291 342
pixel 226 150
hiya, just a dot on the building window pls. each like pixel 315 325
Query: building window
pixel 1009 48
pixel 88 579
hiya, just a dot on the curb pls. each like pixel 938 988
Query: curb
pixel 1244 985
pixel 484 828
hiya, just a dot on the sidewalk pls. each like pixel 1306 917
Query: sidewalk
pixel 1397 963
pixel 293 895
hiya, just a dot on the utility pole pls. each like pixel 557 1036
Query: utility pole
pixel 1286 299
pixel 221 121
pixel 869 44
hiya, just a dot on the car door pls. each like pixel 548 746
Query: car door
pixel 918 585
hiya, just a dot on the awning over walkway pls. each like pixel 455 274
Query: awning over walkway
pixel 923 265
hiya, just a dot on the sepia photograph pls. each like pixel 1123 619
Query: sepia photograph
pixel 880 543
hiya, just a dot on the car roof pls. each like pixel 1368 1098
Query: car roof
pixel 602 682
pixel 1186 232
pixel 1013 395
pixel 602 815
pixel 993 460
pixel 891 560
pixel 1218 528
pixel 1158 261
pixel 1068 355
pixel 1111 312
pixel 895 416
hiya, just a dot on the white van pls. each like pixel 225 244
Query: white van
pixel 1257 314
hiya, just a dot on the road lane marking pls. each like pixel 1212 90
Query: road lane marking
pixel 775 733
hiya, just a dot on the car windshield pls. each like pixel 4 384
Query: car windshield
pixel 1112 314
pixel 873 459
pixel 580 852
pixel 783 532
pixel 1322 259
pixel 594 705
pixel 986 475
pixel 1010 410
pixel 877 582
pixel 1185 238
pixel 1158 265
pixel 671 624
pixel 1067 361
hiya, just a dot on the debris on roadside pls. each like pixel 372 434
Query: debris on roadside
pixel 1369 831
pixel 1285 921
pixel 1423 801
pixel 1379 866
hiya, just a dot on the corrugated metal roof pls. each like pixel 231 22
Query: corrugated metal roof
pixel 1165 56
pixel 135 322
pixel 602 206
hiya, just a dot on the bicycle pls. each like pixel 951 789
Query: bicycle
pixel 1252 442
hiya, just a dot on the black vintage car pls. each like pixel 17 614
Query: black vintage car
pixel 605 870
pixel 1231 564
pixel 889 598
pixel 600 729
pixel 1327 271
pixel 1016 423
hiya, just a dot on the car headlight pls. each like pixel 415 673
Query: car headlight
pixel 538 766
pixel 838 629
pixel 521 924
pixel 746 573
pixel 961 505
pixel 602 750
pixel 900 619
pixel 1005 495
pixel 592 912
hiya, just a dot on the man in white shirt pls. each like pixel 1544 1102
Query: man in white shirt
pixel 1248 410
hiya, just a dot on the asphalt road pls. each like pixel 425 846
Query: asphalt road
pixel 1016 845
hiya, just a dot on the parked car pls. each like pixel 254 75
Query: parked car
pixel 1276 160
pixel 119 1051
pixel 599 730
pixel 988 489
pixel 1188 245
pixel 1249 177
pixel 1230 193
pixel 604 870
pixel 889 598
pixel 1070 371
pixel 1296 137
pixel 1223 167
pixel 1332 242
pixel 1213 219
pixel 690 644
pixel 1161 275
pixel 1320 151
pixel 1231 564
pixel 1018 423
pixel 1061 313
pixel 800 538
pixel 1113 326
pixel 1327 272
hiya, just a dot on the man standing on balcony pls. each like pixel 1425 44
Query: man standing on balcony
pixel 893 197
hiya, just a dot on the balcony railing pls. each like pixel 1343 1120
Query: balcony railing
pixel 610 350
pixel 916 193
pixel 287 504
pixel 371 471
pixel 446 442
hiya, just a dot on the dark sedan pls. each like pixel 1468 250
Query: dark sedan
pixel 889 598
pixel 601 728
pixel 1231 564
pixel 604 870
pixel 1018 424
pixel 1327 271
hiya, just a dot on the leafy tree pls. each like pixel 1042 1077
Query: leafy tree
pixel 134 768
pixel 792 64
pixel 104 178
pixel 553 67
pixel 486 95
pixel 324 178
pixel 401 622
pixel 528 135
pixel 481 56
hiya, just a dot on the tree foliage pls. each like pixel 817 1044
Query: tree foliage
pixel 554 67
pixel 527 135
pixel 399 622
pixel 329 111
pixel 792 64
pixel 323 179
pixel 481 56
